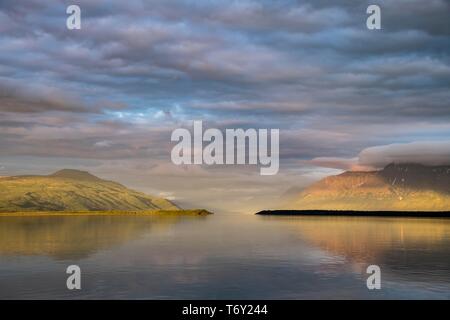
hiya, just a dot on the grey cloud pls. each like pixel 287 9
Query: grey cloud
pixel 423 152
pixel 12 99
pixel 19 98
pixel 372 158
pixel 38 99
pixel 209 50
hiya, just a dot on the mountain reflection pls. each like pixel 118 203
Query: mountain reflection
pixel 416 245
pixel 75 237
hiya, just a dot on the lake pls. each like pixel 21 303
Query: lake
pixel 224 256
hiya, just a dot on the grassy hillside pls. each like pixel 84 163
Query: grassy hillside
pixel 73 190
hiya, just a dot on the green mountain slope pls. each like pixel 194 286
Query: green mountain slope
pixel 407 187
pixel 73 190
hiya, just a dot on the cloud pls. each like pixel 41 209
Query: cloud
pixel 37 99
pixel 335 163
pixel 421 152
pixel 17 97
pixel 103 144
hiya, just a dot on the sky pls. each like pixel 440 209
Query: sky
pixel 107 97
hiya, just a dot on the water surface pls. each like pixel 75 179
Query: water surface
pixel 224 256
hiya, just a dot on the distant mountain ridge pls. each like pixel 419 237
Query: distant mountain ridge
pixel 74 174
pixel 73 190
pixel 412 187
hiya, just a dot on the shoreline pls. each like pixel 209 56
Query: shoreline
pixel 356 213
pixel 192 212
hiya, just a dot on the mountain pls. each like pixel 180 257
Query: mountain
pixel 73 190
pixel 402 187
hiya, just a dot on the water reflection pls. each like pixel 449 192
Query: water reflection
pixel 404 246
pixel 223 257
pixel 76 237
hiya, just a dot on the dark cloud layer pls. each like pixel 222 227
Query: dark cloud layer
pixel 15 98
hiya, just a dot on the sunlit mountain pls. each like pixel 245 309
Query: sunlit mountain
pixel 411 187
pixel 73 190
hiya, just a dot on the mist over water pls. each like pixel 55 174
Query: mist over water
pixel 228 256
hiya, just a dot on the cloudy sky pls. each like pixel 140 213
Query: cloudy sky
pixel 107 97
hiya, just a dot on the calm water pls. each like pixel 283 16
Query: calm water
pixel 224 256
